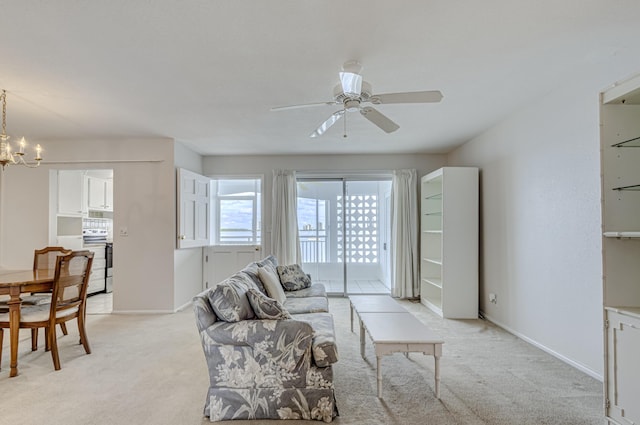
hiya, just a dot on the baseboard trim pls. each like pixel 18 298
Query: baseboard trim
pixel 546 349
pixel 143 311
pixel 182 307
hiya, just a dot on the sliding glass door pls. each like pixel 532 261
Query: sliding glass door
pixel 344 233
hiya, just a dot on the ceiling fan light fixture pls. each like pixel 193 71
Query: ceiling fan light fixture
pixel 351 83
pixel 352 105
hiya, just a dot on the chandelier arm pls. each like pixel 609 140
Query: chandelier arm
pixel 7 157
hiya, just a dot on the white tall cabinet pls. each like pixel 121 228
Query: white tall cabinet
pixel 449 242
pixel 620 162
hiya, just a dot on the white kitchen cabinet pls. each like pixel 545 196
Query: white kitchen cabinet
pixel 97 278
pixel 449 242
pixel 620 174
pixel 100 194
pixel 71 193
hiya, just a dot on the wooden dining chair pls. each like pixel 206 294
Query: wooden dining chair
pixel 68 301
pixel 44 259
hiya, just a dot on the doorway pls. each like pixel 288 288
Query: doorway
pixel 81 217
pixel 344 228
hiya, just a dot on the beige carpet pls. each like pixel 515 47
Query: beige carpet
pixel 151 370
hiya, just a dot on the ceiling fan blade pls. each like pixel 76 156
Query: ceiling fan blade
pixel 431 96
pixel 351 83
pixel 379 119
pixel 304 105
pixel 327 124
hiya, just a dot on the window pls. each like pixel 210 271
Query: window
pixel 236 211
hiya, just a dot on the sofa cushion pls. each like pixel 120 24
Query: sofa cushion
pixel 315 290
pixel 229 300
pixel 251 270
pixel 265 307
pixel 271 283
pixel 293 278
pixel 323 345
pixel 306 305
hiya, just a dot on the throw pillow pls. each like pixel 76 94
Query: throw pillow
pixel 230 303
pixel 265 307
pixel 271 283
pixel 293 278
pixel 271 260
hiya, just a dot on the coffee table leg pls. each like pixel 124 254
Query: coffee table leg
pixel 361 339
pixel 351 312
pixel 379 375
pixel 437 374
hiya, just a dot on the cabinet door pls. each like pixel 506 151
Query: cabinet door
pixel 71 193
pixel 108 195
pixel 96 189
pixel 623 371
pixel 193 209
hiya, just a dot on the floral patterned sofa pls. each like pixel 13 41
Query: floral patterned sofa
pixel 266 359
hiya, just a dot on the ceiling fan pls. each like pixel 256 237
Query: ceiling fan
pixel 353 91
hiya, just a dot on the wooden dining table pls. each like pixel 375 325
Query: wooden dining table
pixel 14 283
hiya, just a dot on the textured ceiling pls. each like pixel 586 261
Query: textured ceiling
pixel 207 72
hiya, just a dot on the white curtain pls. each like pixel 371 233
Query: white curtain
pixel 404 234
pixel 285 243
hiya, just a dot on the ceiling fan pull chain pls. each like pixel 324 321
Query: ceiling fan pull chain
pixel 345 123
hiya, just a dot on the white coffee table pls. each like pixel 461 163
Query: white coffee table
pixel 400 332
pixel 373 304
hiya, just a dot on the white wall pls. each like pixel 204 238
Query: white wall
pixel 264 165
pixel 144 203
pixel 187 262
pixel 540 220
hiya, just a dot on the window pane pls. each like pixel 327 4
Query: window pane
pixel 236 212
pixel 236 221
pixel 237 187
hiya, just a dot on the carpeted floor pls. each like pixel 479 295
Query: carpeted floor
pixel 151 370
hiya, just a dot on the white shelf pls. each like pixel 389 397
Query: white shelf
pixel 620 176
pixel 627 311
pixel 433 261
pixel 449 242
pixel 621 234
pixel 433 281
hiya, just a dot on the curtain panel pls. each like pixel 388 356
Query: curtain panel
pixel 285 243
pixel 404 234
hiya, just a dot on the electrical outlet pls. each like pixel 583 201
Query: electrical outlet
pixel 124 232
pixel 493 298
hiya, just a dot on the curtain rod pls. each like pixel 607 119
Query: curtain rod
pixel 343 173
pixel 103 161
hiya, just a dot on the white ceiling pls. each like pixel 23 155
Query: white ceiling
pixel 207 72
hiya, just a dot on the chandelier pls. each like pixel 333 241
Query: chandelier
pixel 7 156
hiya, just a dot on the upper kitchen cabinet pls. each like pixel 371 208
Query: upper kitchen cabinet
pixel 100 194
pixel 71 193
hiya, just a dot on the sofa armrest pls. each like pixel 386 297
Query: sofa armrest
pixel 258 353
pixel 205 316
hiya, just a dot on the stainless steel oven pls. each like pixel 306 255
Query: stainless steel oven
pixel 109 267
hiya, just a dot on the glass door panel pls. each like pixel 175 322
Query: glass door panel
pixel 319 228
pixel 366 236
pixel 344 228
